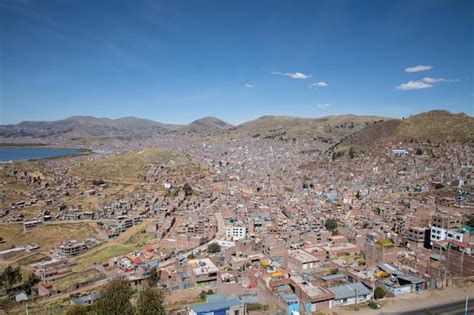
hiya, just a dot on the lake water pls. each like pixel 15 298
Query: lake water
pixel 23 153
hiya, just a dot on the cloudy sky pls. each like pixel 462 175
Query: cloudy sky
pixel 176 61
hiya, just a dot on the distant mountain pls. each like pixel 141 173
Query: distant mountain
pixel 435 126
pixel 205 126
pixel 328 129
pixel 83 127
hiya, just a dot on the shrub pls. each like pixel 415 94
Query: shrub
pixel 379 293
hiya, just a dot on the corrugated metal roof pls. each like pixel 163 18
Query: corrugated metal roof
pixel 289 297
pixel 336 276
pixel 412 279
pixel 389 268
pixel 216 305
pixel 349 290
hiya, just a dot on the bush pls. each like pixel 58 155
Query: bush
pixel 379 293
pixel 257 307
pixel 330 224
pixel 213 248
pixel 373 305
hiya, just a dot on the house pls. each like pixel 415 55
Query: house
pixel 397 283
pixel 349 294
pixel 290 302
pixel 301 260
pixel 21 297
pixel 85 299
pixel 204 271
pixel 226 306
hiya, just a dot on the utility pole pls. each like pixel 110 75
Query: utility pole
pixel 465 308
pixel 357 297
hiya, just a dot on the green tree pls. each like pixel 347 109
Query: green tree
pixel 9 277
pixel 379 293
pixel 202 295
pixel 154 277
pixel 29 283
pixel 330 224
pixel 188 191
pixel 213 248
pixel 115 298
pixel 470 221
pixel 150 302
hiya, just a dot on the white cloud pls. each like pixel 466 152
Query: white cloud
pixel 435 80
pixel 294 75
pixel 414 85
pixel 325 105
pixel 248 85
pixel 419 68
pixel 321 84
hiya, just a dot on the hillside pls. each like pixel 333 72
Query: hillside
pixel 133 167
pixel 435 126
pixel 328 129
pixel 204 126
pixel 83 127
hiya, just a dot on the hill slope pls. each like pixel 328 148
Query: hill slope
pixel 78 127
pixel 133 167
pixel 205 126
pixel 328 129
pixel 436 126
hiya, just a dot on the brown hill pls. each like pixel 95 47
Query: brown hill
pixel 204 126
pixel 435 126
pixel 328 129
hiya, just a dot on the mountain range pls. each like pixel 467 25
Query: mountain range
pixel 341 131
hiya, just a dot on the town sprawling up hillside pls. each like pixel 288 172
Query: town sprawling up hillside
pixel 278 215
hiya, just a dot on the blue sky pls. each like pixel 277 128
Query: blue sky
pixel 176 61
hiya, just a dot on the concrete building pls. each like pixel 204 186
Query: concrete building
pixel 237 232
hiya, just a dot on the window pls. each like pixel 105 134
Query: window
pixel 236 312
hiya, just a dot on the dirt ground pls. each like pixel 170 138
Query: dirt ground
pixel 427 298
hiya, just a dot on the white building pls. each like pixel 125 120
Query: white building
pixel 236 232
pixel 440 234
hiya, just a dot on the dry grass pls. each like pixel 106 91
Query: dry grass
pixel 436 126
pixel 131 167
pixel 331 127
pixel 45 235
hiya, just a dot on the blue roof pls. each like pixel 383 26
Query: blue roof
pixel 216 305
pixel 289 297
pixel 183 275
pixel 154 263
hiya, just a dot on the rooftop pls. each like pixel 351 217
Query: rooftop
pixel 349 290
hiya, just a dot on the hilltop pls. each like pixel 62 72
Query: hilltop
pixel 327 129
pixel 206 125
pixel 434 126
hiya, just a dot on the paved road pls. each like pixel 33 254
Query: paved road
pixel 456 307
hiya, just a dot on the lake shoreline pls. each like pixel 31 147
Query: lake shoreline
pixel 50 152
